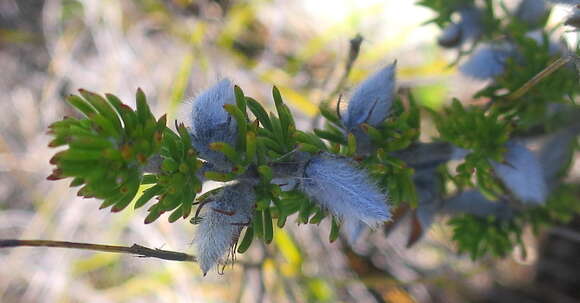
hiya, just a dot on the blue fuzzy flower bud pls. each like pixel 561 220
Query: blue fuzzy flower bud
pixel 522 174
pixel 467 29
pixel 428 186
pixel 345 191
pixel 475 203
pixel 451 36
pixel 211 123
pixel 471 22
pixel 222 222
pixel 531 11
pixel 371 101
pixel 555 153
pixel 487 62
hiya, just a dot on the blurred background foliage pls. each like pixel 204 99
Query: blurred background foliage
pixel 173 49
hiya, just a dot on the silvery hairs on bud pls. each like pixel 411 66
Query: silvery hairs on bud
pixel 211 123
pixel 471 22
pixel 451 36
pixel 467 29
pixel 487 62
pixel 531 11
pixel 345 191
pixel 555 152
pixel 428 186
pixel 473 202
pixel 370 103
pixel 222 221
pixel 522 174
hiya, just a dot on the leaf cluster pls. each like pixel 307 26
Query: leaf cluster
pixel 498 236
pixel 479 236
pixel 176 183
pixel 110 149
pixel 483 134
pixel 531 58
pixel 107 150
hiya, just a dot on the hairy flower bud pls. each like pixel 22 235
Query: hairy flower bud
pixel 471 22
pixel 370 103
pixel 474 203
pixel 372 99
pixel 211 123
pixel 531 11
pixel 522 174
pixel 467 29
pixel 428 186
pixel 346 191
pixel 487 62
pixel 222 221
pixel 451 36
pixel 555 153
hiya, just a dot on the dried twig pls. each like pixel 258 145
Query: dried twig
pixel 135 249
pixel 353 53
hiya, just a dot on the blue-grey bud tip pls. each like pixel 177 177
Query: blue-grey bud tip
pixel 345 190
pixel 522 174
pixel 210 122
pixel 487 62
pixel 371 101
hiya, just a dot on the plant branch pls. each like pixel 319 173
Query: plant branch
pixel 135 249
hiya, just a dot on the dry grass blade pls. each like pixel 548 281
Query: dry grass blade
pixel 539 77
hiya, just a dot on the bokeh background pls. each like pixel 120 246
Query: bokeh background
pixel 173 49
